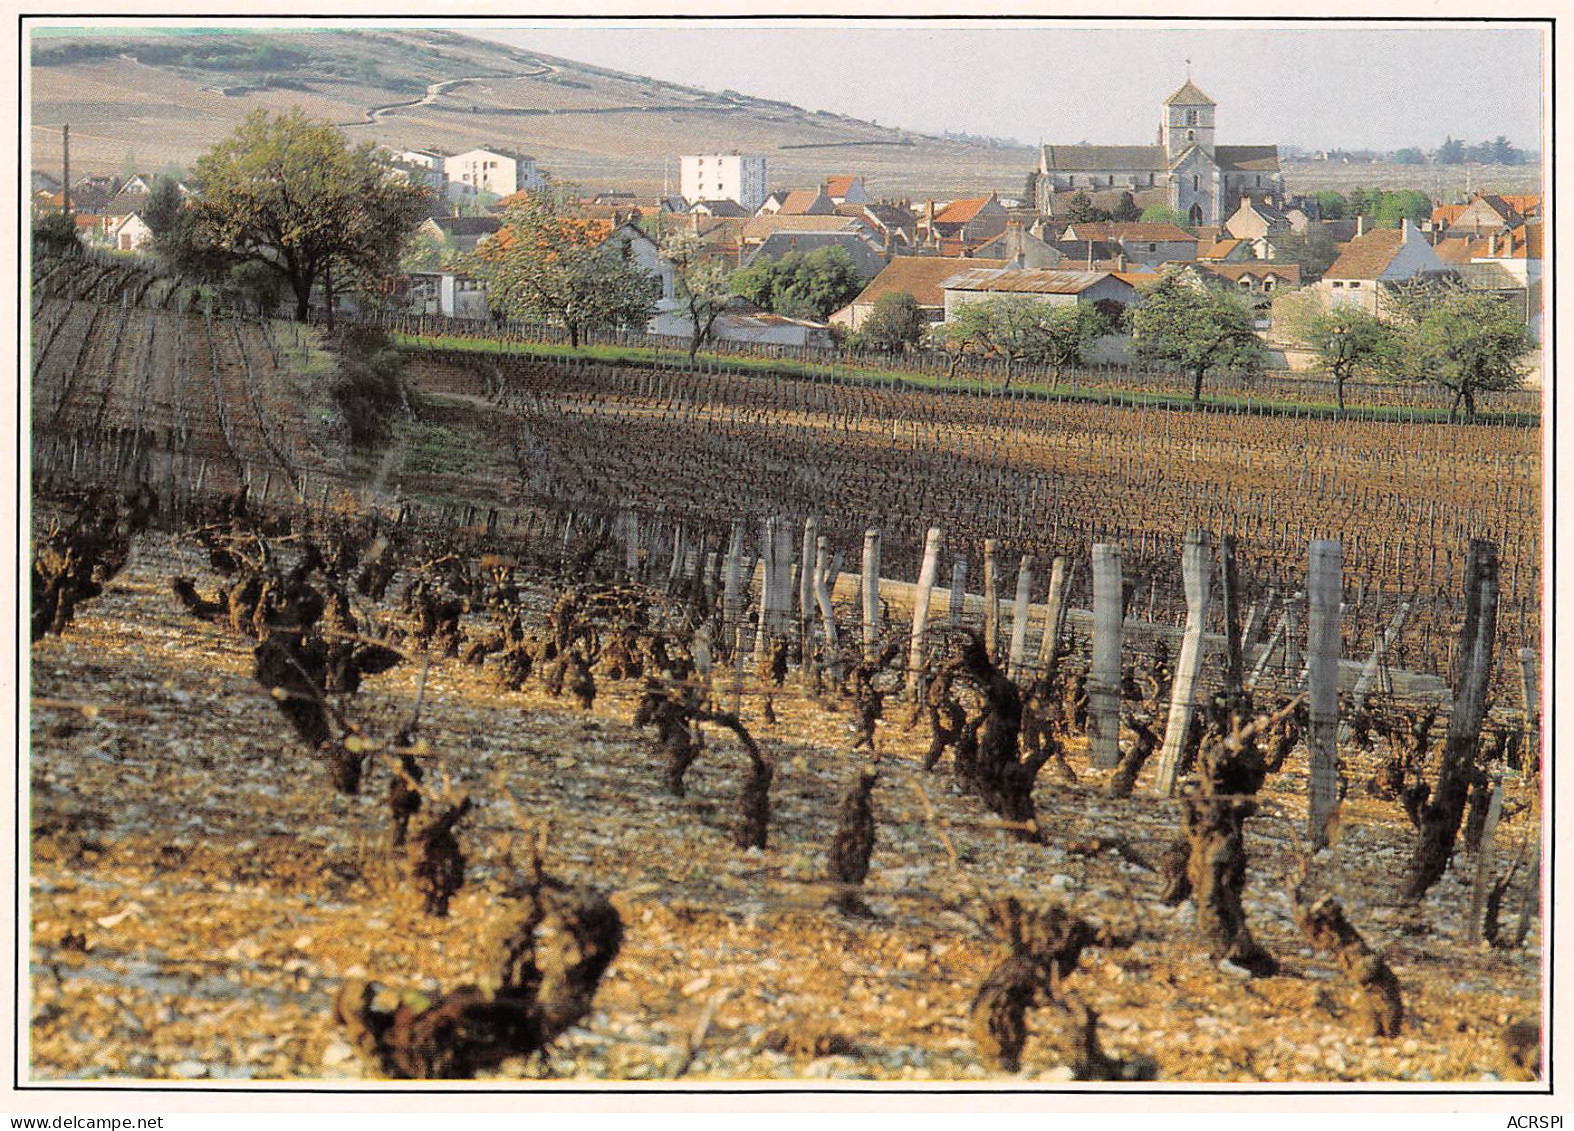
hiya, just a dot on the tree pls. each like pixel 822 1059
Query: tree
pixel 895 324
pixel 164 204
pixel 1332 205
pixel 1188 323
pixel 288 192
pixel 546 266
pixel 1349 341
pixel 1392 207
pixel 1503 153
pixel 1409 156
pixel 801 286
pixel 424 251
pixel 1314 250
pixel 701 284
pixel 1468 342
pixel 1451 152
pixel 55 233
pixel 1017 330
pixel 1084 211
pixel 1164 214
pixel 1126 209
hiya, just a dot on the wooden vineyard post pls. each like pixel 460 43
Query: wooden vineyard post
pixel 1195 575
pixel 765 627
pixel 1323 583
pixel 1374 665
pixel 871 594
pixel 958 591
pixel 631 545
pixel 823 579
pixel 1440 817
pixel 731 578
pixel 1229 600
pixel 783 606
pixel 1486 859
pixel 991 599
pixel 926 583
pixel 1019 614
pixel 806 596
pixel 1532 698
pixel 1104 675
pixel 1049 644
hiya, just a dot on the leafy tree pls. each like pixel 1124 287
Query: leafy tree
pixel 701 284
pixel 1017 330
pixel 1126 209
pixel 1504 153
pixel 1164 214
pixel 1360 202
pixel 1084 211
pixel 256 286
pixel 55 233
pixel 1195 326
pixel 425 252
pixel 895 324
pixel 1332 205
pixel 801 286
pixel 1314 250
pixel 287 191
pixel 1392 207
pixel 1468 342
pixel 1350 341
pixel 546 266
pixel 1409 156
pixel 1451 152
pixel 164 203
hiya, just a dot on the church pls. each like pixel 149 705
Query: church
pixel 1200 180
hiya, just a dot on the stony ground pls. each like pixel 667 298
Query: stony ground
pixel 198 893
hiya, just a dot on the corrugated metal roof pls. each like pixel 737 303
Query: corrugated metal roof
pixel 1010 280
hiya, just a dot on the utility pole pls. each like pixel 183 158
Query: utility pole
pixel 65 157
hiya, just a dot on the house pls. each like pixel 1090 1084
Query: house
pixel 646 253
pixel 970 221
pixel 742 321
pixel 798 202
pixel 1258 223
pixel 428 159
pixel 846 190
pixel 1255 278
pixel 446 295
pixel 1227 250
pixel 867 258
pixel 919 276
pixel 1020 248
pixel 723 176
pixel 1486 212
pixel 1091 255
pixel 1516 254
pixel 727 209
pixel 1203 181
pixel 130 233
pixel 44 183
pixel 1372 263
pixel 465 233
pixel 1149 243
pixel 894 226
pixel 1057 287
pixel 496 171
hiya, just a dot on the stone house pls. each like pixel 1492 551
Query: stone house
pixel 1372 263
pixel 1057 287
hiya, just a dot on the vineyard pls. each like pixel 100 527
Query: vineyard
pixel 671 724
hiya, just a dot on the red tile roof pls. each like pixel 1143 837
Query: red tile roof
pixel 1446 214
pixel 1368 256
pixel 961 211
pixel 798 202
pixel 840 186
pixel 919 276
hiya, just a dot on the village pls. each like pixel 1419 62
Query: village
pixel 1097 224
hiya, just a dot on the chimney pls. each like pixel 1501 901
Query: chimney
pixel 1360 226
pixel 1120 261
pixel 1404 228
pixel 1492 246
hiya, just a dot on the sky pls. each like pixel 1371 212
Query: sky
pixel 1313 86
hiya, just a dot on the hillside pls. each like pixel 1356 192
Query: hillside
pixel 167 98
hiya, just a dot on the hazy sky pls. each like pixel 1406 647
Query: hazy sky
pixel 1363 86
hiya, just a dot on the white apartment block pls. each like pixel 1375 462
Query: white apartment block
pixel 494 171
pixel 724 176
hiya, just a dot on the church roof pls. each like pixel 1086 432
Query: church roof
pixel 1189 95
pixel 1247 158
pixel 1104 158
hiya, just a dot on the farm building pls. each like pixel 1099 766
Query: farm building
pixel 920 277
pixel 1060 288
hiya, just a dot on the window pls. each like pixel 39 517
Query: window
pixel 1191 117
pixel 1337 284
pixel 1191 135
pixel 1354 285
pixel 1259 180
pixel 1194 182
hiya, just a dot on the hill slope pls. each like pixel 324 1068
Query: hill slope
pixel 167 98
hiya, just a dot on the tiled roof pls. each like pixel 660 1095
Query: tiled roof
pixel 797 202
pixel 1458 250
pixel 762 227
pixel 1523 242
pixel 919 276
pixel 961 211
pixel 722 208
pixel 1008 280
pixel 1368 256
pixel 1104 158
pixel 840 186
pixel 1446 214
pixel 1189 95
pixel 1524 205
pixel 1247 158
pixel 1134 230
pixel 1487 277
pixel 1217 249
